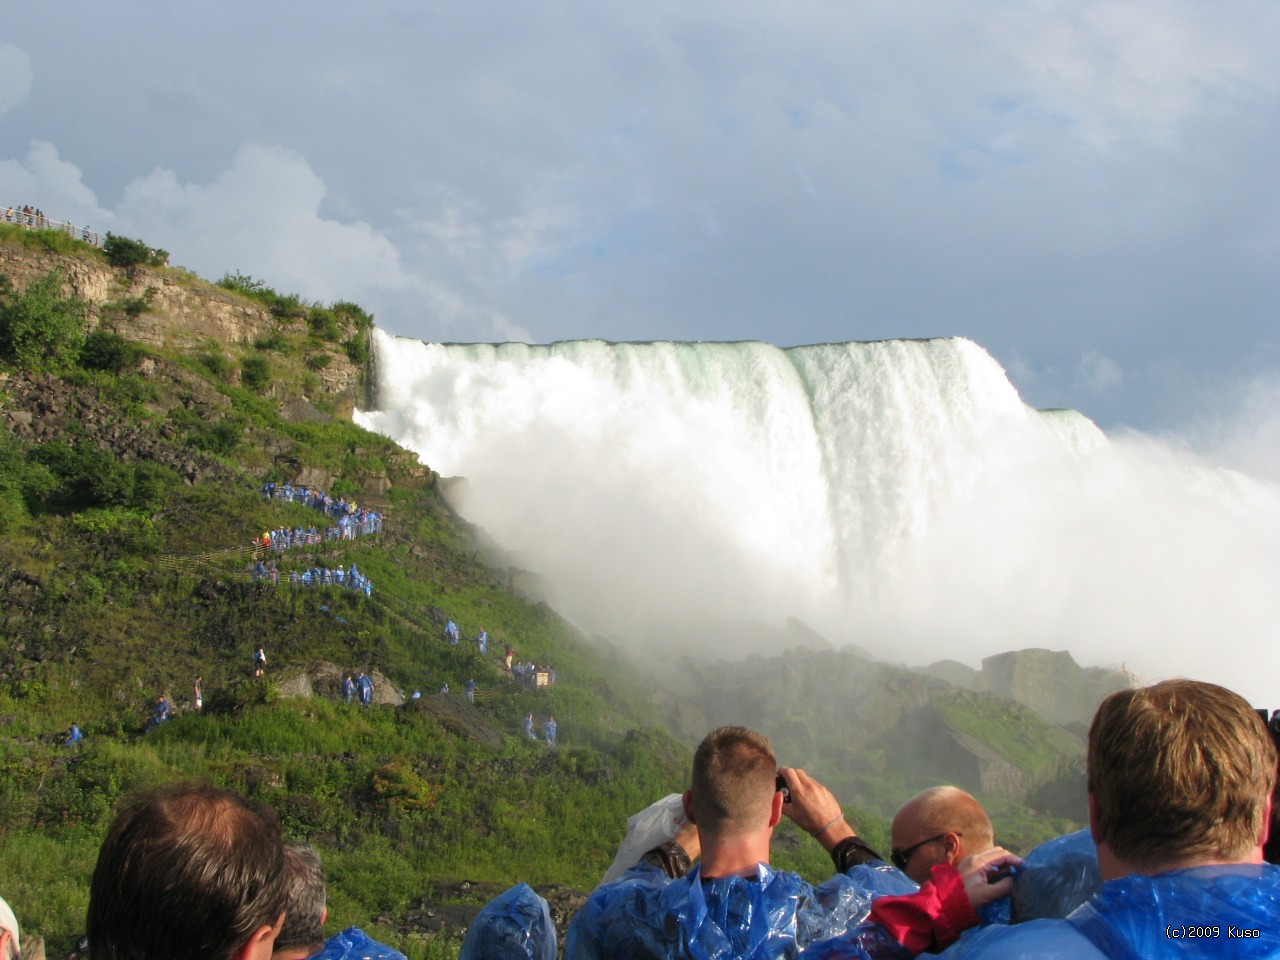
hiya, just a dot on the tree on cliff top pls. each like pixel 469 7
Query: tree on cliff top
pixel 40 327
pixel 128 254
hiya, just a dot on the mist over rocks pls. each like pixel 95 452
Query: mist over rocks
pixel 1050 682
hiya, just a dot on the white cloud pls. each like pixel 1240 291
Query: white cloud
pixel 262 216
pixel 1117 71
pixel 57 186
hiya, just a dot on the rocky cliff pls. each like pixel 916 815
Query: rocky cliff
pixel 182 311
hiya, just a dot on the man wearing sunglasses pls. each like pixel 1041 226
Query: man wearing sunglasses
pixel 939 825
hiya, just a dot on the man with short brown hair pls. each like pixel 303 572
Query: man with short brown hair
pixel 1180 776
pixel 938 825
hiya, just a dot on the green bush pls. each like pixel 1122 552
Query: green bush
pixel 318 361
pixel 129 254
pixel 324 324
pixel 109 352
pixel 242 283
pixel 349 313
pixel 290 307
pixel 221 438
pixel 41 328
pixel 87 477
pixel 272 341
pixel 357 348
pixel 255 372
pixel 216 363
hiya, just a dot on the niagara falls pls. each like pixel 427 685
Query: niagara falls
pixel 897 495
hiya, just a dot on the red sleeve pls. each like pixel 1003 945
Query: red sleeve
pixel 931 918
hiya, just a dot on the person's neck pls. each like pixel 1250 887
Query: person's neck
pixel 1112 867
pixel 729 856
pixel 297 953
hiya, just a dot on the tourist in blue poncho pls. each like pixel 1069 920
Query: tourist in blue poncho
pixel 1180 781
pixel 735 905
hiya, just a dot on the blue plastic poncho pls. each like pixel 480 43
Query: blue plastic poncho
pixel 354 944
pixel 515 925
pixel 1055 878
pixel 1201 912
pixel 773 914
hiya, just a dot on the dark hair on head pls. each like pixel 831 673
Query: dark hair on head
pixel 186 872
pixel 305 896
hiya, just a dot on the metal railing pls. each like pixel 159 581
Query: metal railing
pixel 24 216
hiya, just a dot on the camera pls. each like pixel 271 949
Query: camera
pixel 780 785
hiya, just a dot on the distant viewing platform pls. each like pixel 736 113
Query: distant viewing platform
pixel 26 216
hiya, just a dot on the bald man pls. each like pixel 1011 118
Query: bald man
pixel 938 825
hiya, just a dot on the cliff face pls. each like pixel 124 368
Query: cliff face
pixel 183 312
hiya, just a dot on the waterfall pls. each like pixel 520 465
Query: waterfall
pixel 897 494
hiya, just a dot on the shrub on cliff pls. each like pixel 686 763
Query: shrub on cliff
pixel 255 372
pixel 109 352
pixel 41 327
pixel 129 254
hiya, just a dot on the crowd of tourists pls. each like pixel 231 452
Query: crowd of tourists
pixel 1180 778
pixel 32 217
pixel 317 576
pixel 349 519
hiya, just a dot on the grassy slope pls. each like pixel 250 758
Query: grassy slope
pixel 400 802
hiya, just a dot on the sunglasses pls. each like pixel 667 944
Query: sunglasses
pixel 900 858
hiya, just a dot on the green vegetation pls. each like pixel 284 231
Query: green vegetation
pixel 44 241
pixel 129 254
pixel 255 372
pixel 41 327
pixel 105 606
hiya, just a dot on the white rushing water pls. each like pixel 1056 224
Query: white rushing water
pixel 896 494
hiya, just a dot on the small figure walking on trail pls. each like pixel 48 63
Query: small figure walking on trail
pixel 471 690
pixel 199 694
pixel 507 654
pixel 451 633
pixel 161 712
pixel 528 727
pixel 444 688
pixel 259 662
pixel 549 730
pixel 364 686
pixel 482 641
pixel 74 736
pixel 348 688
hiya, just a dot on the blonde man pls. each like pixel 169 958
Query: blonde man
pixel 1180 776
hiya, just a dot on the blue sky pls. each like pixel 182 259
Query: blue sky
pixel 1087 189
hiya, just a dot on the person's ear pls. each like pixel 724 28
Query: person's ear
pixel 260 943
pixel 775 812
pixel 1266 823
pixel 951 844
pixel 687 802
pixel 1094 830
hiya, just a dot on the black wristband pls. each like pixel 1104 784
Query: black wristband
pixel 670 858
pixel 851 852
